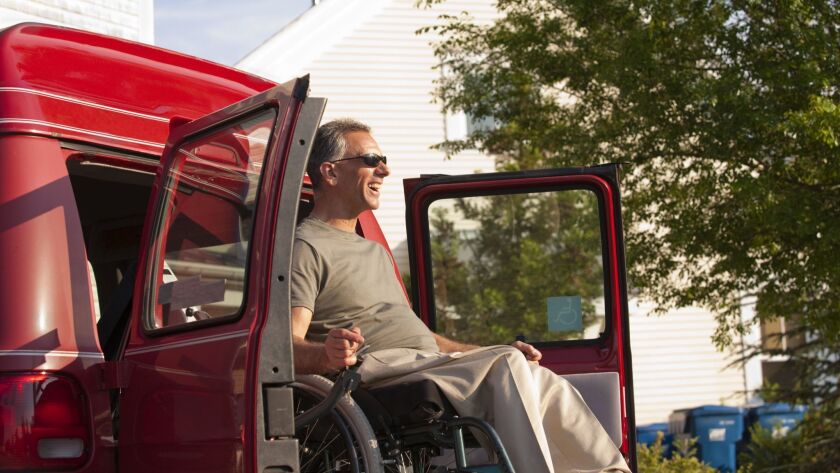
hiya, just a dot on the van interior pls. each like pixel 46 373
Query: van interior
pixel 112 202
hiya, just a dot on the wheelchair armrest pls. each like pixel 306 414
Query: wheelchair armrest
pixel 346 381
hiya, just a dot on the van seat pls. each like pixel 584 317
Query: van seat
pixel 601 393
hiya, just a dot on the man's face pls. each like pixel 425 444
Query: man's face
pixel 359 184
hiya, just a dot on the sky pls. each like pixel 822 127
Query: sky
pixel 219 30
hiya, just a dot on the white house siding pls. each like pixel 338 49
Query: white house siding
pixel 365 57
pixel 675 364
pixel 129 19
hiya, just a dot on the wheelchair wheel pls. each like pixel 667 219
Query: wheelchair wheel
pixel 342 441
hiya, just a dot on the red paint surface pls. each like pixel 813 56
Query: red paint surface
pixel 78 85
pixel 47 322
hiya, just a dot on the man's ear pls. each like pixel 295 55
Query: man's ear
pixel 328 174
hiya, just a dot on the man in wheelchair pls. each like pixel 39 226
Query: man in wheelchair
pixel 345 296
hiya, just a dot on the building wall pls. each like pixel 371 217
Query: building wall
pixel 371 65
pixel 130 19
pixel 675 364
pixel 365 57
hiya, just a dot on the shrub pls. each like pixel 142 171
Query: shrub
pixel 768 453
pixel 811 447
pixel 682 458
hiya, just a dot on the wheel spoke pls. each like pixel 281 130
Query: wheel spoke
pixel 324 445
pixel 309 431
pixel 333 443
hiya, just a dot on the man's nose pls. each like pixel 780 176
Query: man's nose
pixel 383 169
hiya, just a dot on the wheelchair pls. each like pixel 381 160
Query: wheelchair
pixel 405 428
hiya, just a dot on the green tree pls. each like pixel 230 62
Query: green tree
pixel 492 282
pixel 449 273
pixel 728 115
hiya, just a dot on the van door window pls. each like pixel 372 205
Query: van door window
pixel 525 265
pixel 202 239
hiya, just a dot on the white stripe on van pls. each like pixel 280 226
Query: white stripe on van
pixel 68 354
pixel 84 102
pixel 27 121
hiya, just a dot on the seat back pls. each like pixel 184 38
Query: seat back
pixel 600 391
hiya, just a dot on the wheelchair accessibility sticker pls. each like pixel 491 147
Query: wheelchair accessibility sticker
pixel 564 314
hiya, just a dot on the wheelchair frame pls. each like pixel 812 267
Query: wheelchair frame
pixel 393 449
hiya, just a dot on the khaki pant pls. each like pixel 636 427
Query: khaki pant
pixel 541 419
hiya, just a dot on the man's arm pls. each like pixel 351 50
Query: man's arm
pixel 447 345
pixel 337 352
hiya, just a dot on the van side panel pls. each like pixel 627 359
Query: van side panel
pixel 48 321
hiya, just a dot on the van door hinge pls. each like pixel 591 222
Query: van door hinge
pixel 113 375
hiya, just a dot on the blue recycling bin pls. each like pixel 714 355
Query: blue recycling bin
pixel 646 434
pixel 718 430
pixel 777 418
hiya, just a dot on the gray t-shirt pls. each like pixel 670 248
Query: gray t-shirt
pixel 348 281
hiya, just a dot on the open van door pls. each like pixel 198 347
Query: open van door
pixel 536 256
pixel 203 370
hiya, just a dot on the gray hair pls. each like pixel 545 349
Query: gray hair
pixel 330 145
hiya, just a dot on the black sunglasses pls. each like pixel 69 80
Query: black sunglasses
pixel 369 159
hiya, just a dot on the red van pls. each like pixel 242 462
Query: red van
pixel 148 202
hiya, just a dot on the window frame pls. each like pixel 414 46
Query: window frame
pixel 502 190
pixel 156 245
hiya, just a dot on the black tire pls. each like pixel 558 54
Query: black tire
pixel 337 441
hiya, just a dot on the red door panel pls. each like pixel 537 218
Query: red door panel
pixel 191 362
pixel 533 255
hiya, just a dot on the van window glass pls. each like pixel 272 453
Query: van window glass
pixel 203 238
pixel 525 266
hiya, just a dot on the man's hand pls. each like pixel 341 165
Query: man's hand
pixel 341 345
pixel 531 354
pixel 338 350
